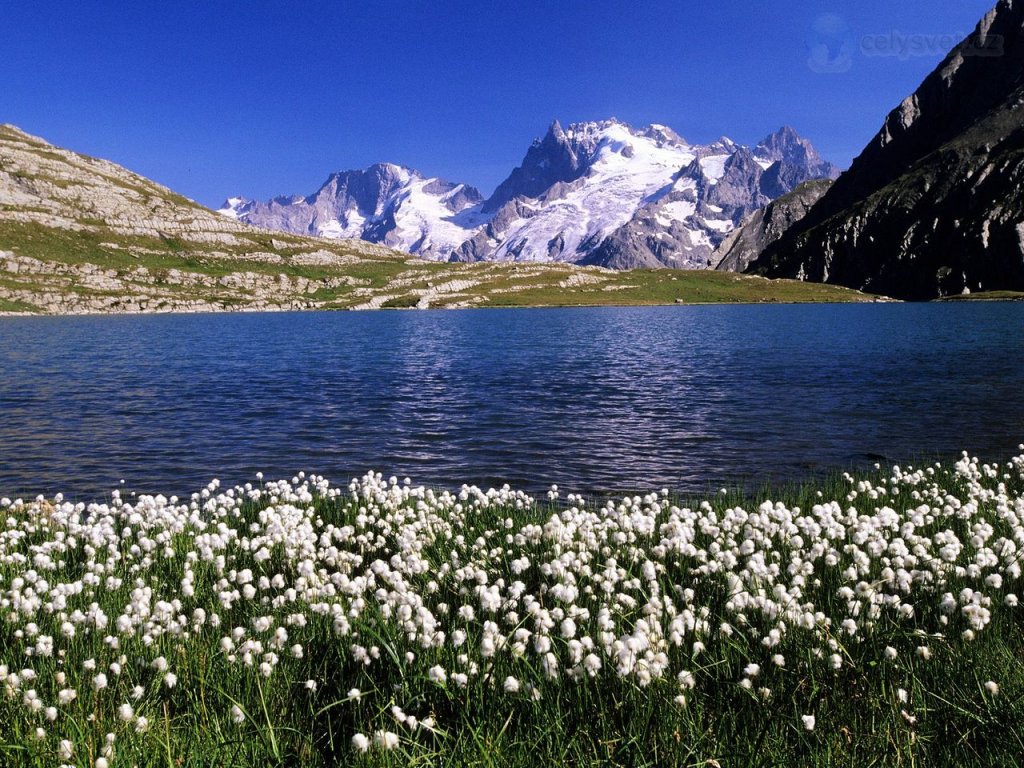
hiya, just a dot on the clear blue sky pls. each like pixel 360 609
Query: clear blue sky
pixel 264 98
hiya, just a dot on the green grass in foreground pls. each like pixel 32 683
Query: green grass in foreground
pixel 856 621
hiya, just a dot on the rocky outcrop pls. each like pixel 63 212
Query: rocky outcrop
pixel 766 225
pixel 60 288
pixel 934 205
pixel 47 186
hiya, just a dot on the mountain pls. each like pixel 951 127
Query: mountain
pixel 934 205
pixel 82 235
pixel 387 204
pixel 682 225
pixel 558 157
pixel 598 193
pixel 766 225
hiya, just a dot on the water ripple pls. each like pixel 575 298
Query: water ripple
pixel 597 400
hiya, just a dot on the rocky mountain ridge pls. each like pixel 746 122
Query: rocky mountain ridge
pixel 600 193
pixel 934 205
pixel 766 225
pixel 80 235
pixel 386 204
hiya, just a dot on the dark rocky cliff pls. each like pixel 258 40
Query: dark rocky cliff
pixel 934 205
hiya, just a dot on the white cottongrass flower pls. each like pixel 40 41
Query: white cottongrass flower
pixel 385 739
pixel 808 721
pixel 237 715
pixel 361 743
pixel 566 594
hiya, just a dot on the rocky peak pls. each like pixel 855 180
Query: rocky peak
pixel 741 164
pixel 738 191
pixel 549 160
pixel 976 77
pixel 369 188
pixel 787 146
pixel 455 197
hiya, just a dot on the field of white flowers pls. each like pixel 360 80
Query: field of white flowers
pixel 860 620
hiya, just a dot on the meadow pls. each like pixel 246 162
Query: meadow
pixel 860 620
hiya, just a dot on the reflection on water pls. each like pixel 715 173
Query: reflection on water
pixel 594 400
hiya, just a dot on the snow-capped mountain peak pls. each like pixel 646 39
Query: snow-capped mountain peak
pixel 599 192
pixel 385 203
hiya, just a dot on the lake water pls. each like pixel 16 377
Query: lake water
pixel 596 400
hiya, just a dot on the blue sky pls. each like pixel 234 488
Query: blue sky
pixel 261 98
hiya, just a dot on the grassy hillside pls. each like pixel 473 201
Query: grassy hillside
pixel 84 235
pixel 987 296
pixel 142 267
